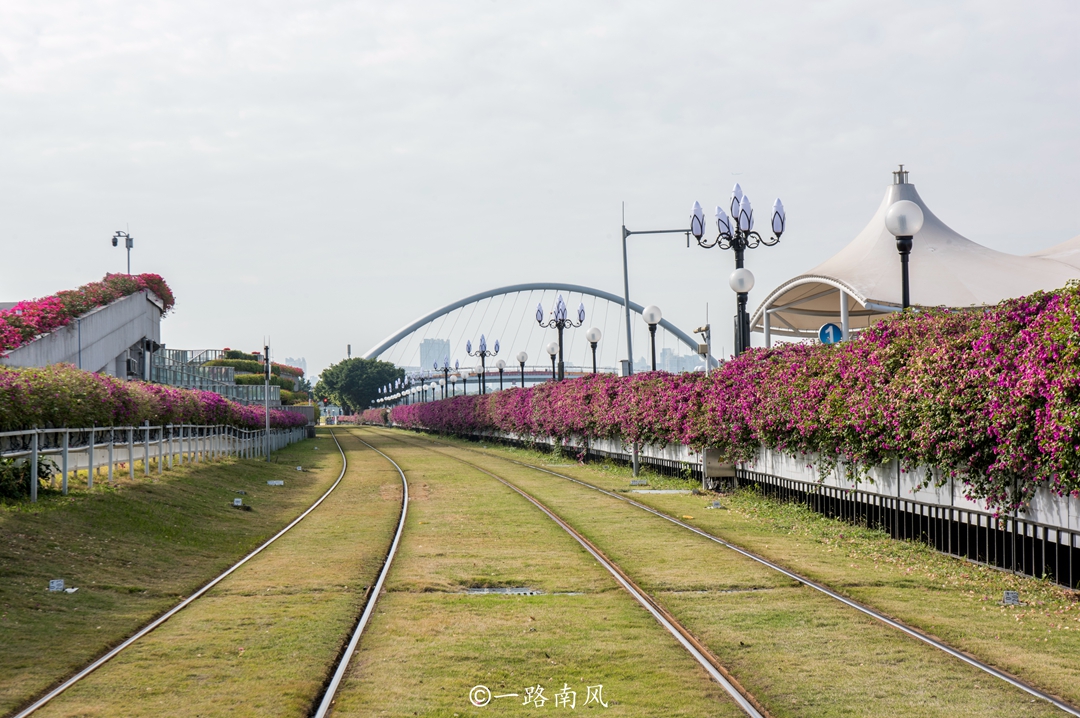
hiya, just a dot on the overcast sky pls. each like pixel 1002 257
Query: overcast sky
pixel 324 172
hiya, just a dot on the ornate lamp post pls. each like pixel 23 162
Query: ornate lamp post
pixel 500 365
pixel 593 336
pixel 652 317
pixel 553 349
pixel 737 233
pixel 483 353
pixel 904 219
pixel 446 374
pixel 522 357
pixel 560 322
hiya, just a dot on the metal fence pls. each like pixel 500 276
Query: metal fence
pixel 1007 542
pixel 102 449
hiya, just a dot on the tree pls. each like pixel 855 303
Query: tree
pixel 353 384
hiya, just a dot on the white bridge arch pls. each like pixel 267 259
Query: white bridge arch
pixel 386 344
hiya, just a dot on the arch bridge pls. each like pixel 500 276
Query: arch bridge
pixel 508 314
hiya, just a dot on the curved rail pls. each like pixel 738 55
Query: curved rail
pixel 180 606
pixel 743 698
pixel 866 610
pixel 343 663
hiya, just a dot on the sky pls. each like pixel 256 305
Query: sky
pixel 322 173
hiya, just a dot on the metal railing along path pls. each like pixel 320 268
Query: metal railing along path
pixel 373 596
pixel 743 698
pixel 107 447
pixel 866 610
pixel 186 602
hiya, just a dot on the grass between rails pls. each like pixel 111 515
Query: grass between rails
pixel 262 642
pixel 133 550
pixel 429 643
pixel 788 645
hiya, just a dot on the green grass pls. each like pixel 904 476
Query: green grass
pixel 429 643
pixel 262 642
pixel 787 644
pixel 133 550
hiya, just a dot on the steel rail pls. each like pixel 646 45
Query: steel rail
pixel 851 603
pixel 373 596
pixel 742 697
pixel 186 602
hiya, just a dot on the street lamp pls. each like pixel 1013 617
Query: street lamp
pixel 446 373
pixel 553 349
pixel 593 335
pixel 483 353
pixel 481 377
pixel 560 322
pixel 129 242
pixel 652 317
pixel 904 219
pixel 522 357
pixel 453 384
pixel 500 365
pixel 737 233
pixel 741 282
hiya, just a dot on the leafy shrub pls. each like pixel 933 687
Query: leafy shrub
pixel 15 476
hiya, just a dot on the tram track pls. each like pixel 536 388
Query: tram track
pixel 694 646
pixel 883 618
pixel 157 622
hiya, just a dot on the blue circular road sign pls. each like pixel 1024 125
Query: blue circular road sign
pixel 829 334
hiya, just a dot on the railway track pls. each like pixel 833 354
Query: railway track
pixel 157 622
pixel 809 583
pixel 326 700
pixel 695 647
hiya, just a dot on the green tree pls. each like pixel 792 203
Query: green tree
pixel 353 384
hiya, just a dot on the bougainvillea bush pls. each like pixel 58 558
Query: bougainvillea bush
pixel 991 396
pixel 374 416
pixel 27 320
pixel 63 396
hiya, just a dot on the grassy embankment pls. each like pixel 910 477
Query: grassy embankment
pixel 429 642
pixel 133 550
pixel 788 644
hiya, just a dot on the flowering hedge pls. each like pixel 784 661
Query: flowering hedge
pixel 374 416
pixel 27 320
pixel 991 396
pixel 63 396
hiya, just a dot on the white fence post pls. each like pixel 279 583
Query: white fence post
pixel 64 460
pixel 90 461
pixel 33 465
pixel 112 444
pixel 131 453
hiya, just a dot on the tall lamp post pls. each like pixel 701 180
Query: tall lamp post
pixel 129 242
pixel 500 365
pixel 552 350
pixel 266 389
pixel 483 353
pixel 593 336
pixel 904 219
pixel 560 322
pixel 652 317
pixel 522 357
pixel 741 282
pixel 446 374
pixel 737 233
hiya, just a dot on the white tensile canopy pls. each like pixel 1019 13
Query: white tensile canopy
pixel 861 283
pixel 1068 252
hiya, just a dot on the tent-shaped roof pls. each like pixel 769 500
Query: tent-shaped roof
pixel 946 269
pixel 1068 252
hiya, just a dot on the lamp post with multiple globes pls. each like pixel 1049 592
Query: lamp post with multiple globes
pixel 560 321
pixel 736 232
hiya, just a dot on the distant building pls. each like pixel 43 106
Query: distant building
pixel 298 362
pixel 433 351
